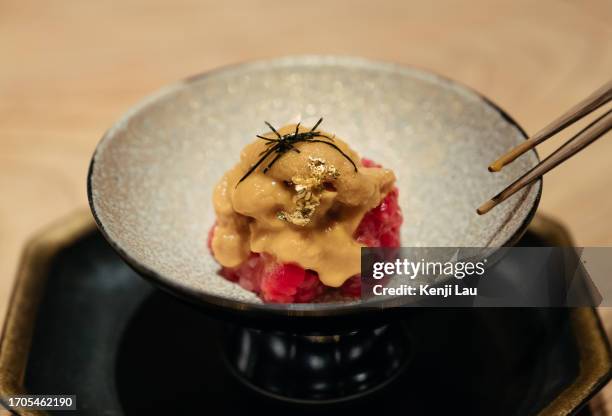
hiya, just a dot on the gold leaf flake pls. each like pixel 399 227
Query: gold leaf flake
pixel 308 191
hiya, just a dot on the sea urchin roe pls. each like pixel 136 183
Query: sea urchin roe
pixel 318 222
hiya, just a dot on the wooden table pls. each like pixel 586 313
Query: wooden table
pixel 70 68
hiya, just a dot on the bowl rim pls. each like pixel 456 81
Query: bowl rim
pixel 312 310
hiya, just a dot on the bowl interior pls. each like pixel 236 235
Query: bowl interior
pixel 152 175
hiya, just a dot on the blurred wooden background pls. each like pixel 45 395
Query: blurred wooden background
pixel 68 69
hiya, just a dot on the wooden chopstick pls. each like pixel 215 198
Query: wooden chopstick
pixel 581 140
pixel 600 97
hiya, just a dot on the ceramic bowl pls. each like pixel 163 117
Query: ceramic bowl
pixel 152 174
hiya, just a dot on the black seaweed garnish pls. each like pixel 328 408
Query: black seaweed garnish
pixel 284 143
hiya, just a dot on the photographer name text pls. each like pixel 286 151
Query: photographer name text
pixel 425 290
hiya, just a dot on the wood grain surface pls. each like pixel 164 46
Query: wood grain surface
pixel 68 69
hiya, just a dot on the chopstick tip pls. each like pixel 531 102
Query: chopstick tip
pixel 495 167
pixel 486 207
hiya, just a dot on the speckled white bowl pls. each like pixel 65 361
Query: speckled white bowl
pixel 152 175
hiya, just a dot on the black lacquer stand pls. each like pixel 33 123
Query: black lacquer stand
pixel 101 332
pixel 317 368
